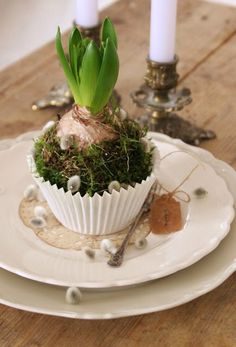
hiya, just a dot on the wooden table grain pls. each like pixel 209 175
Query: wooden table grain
pixel 206 44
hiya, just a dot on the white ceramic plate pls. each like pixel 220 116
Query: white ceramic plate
pixel 207 222
pixel 184 286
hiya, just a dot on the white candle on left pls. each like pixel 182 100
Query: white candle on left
pixel 163 30
pixel 87 15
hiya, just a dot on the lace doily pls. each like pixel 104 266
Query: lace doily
pixel 56 235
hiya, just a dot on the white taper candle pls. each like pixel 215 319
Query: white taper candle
pixel 163 30
pixel 87 15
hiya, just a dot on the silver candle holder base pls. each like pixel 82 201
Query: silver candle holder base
pixel 161 98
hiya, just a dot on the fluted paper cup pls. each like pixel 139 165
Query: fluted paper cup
pixel 99 214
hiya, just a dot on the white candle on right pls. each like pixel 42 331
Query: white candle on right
pixel 87 15
pixel 163 30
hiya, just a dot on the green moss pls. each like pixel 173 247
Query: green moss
pixel 124 160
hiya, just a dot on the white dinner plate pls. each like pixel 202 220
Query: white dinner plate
pixel 206 223
pixel 165 293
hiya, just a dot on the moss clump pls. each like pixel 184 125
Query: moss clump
pixel 124 160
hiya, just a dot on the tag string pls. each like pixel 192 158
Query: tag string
pixel 182 151
pixel 185 179
pixel 176 191
pixel 175 194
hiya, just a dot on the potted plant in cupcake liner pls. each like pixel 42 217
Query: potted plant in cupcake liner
pixel 94 167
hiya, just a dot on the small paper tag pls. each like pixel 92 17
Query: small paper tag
pixel 165 215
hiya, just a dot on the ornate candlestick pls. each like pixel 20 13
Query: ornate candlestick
pixel 160 97
pixel 60 96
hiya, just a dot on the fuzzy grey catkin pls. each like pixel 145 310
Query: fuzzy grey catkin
pixel 114 185
pixel 65 142
pixel 40 211
pixel 107 245
pixel 30 192
pixel 38 222
pixel 140 243
pixel 73 296
pixel 89 252
pixel 73 183
pixel 48 126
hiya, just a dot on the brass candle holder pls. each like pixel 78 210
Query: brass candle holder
pixel 161 99
pixel 60 96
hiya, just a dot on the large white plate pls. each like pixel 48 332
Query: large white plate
pixel 184 286
pixel 207 222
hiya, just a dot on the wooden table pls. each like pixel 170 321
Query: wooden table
pixel 206 44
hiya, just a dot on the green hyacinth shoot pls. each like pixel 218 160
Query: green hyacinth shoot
pixel 91 71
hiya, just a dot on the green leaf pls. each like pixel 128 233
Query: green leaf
pixel 82 49
pixel 89 73
pixel 108 30
pixel 107 77
pixel 85 42
pixel 101 48
pixel 74 40
pixel 66 67
pixel 80 55
pixel 74 50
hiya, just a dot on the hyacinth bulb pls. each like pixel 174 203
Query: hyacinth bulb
pixel 85 129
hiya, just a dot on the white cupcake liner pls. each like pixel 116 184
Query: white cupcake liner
pixel 100 214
